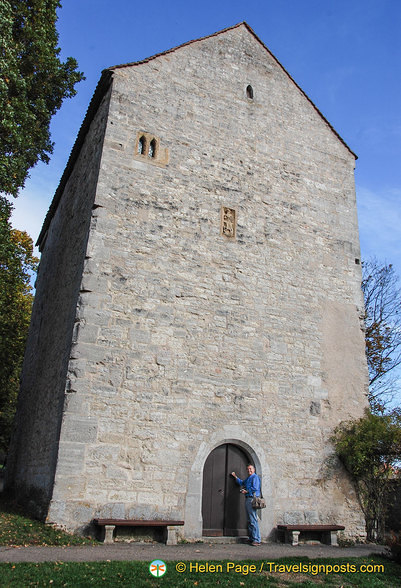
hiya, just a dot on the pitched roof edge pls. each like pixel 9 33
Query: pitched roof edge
pixel 100 90
pixel 246 25
pixel 173 49
pixel 300 89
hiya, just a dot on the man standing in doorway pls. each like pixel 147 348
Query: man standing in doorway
pixel 251 488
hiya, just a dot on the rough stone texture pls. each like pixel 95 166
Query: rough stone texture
pixel 185 339
pixel 34 449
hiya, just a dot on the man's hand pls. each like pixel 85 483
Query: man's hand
pixel 234 475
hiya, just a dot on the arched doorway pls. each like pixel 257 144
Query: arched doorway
pixel 223 508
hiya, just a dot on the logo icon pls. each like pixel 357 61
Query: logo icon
pixel 157 568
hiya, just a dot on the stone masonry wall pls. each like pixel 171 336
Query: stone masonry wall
pixel 186 338
pixel 34 448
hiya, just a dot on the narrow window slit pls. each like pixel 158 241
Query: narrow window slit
pixel 152 148
pixel 141 146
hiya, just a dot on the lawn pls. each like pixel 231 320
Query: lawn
pixel 295 572
pixel 17 529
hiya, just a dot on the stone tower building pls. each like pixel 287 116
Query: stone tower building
pixel 198 301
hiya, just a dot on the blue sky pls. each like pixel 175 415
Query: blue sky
pixel 345 54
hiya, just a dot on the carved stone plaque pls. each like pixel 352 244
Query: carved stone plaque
pixel 228 222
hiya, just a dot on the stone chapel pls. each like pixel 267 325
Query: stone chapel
pixel 198 303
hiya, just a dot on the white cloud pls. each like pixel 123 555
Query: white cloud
pixel 380 224
pixel 30 209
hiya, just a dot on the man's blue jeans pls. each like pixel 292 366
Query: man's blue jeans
pixel 253 522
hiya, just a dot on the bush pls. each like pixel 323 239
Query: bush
pixel 395 546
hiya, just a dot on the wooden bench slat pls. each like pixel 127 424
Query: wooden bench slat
pixel 137 523
pixel 311 527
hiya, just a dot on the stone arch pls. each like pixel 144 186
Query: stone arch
pixel 193 507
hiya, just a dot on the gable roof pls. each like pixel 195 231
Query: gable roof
pixel 104 84
pixel 252 32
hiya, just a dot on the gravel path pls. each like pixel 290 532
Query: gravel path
pixel 185 552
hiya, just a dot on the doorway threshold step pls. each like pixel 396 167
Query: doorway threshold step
pixel 227 540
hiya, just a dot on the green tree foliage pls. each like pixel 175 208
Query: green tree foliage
pixel 17 265
pixel 33 84
pixel 383 329
pixel 370 450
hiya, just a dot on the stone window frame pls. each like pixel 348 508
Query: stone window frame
pixel 148 149
pixel 250 93
pixel 143 144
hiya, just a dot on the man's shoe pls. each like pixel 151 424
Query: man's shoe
pixel 255 544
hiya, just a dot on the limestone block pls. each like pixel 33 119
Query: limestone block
pixel 292 518
pixel 71 458
pixel 79 429
pixel 311 517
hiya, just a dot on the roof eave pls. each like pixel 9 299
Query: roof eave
pixel 100 91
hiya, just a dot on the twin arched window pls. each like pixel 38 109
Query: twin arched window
pixel 147 147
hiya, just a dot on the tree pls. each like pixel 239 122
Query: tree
pixel 383 329
pixel 17 264
pixel 370 450
pixel 33 85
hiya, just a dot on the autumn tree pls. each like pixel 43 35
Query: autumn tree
pixel 17 265
pixel 370 450
pixel 383 330
pixel 33 85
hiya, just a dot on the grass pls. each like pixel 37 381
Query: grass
pixel 137 574
pixel 16 529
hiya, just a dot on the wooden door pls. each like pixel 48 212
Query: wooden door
pixel 223 506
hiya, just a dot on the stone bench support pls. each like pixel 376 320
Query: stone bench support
pixel 294 537
pixel 110 524
pixel 172 533
pixel 333 538
pixel 108 533
pixel 327 532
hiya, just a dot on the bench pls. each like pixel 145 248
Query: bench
pixel 327 532
pixel 110 524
